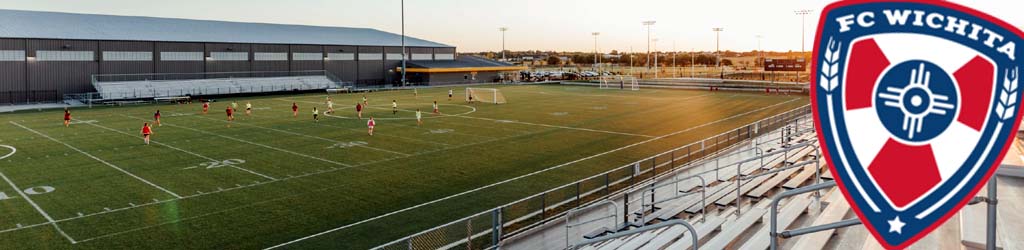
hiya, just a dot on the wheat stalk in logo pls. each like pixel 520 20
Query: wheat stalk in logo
pixel 1008 95
pixel 830 67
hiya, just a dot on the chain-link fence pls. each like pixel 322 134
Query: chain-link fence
pixel 484 230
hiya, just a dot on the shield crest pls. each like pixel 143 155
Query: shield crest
pixel 915 103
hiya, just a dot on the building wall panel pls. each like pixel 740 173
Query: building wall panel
pixel 12 73
pixel 167 66
pixel 50 80
pixel 228 66
pixel 371 68
pixel 308 65
pixel 117 66
pixel 262 65
pixel 347 70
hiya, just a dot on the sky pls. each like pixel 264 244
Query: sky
pixel 548 25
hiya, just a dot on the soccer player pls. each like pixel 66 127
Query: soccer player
pixel 67 118
pixel 330 106
pixel 394 107
pixel 231 113
pixel 146 131
pixel 206 107
pixel 316 115
pixel 359 110
pixel 419 118
pixel 450 92
pixel 234 105
pixel 364 100
pixel 435 108
pixel 248 108
pixel 156 117
pixel 470 99
pixel 295 110
pixel 370 124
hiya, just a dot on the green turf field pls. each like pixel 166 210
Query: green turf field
pixel 271 178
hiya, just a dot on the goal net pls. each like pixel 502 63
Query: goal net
pixel 485 95
pixel 619 82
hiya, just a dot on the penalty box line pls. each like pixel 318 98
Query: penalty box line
pixel 187 152
pixel 524 176
pixel 99 160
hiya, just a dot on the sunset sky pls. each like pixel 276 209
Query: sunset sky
pixel 472 25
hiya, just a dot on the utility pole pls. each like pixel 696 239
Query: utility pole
pixel 674 66
pixel 597 60
pixel 759 51
pixel 648 24
pixel 403 43
pixel 503 29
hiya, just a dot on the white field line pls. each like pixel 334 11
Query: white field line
pixel 526 175
pixel 187 152
pixel 39 209
pixel 253 143
pixel 309 136
pixel 533 124
pixel 99 160
pixel 13 150
pixel 267 182
pixel 416 127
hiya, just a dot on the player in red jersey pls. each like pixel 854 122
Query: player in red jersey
pixel 206 107
pixel 370 124
pixel 359 110
pixel 156 117
pixel 231 113
pixel 67 117
pixel 295 110
pixel 146 131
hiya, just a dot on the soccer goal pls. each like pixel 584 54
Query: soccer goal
pixel 485 95
pixel 619 82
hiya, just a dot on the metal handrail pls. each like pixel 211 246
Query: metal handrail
pixel 675 181
pixel 686 224
pixel 773 227
pixel 568 215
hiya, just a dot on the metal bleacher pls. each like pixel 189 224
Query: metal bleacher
pixel 147 86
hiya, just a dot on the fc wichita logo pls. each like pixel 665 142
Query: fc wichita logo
pixel 915 103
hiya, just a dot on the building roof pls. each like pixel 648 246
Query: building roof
pixel 462 63
pixel 57 25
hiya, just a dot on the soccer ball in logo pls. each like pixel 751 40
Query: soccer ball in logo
pixel 915 103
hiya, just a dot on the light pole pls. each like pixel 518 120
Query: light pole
pixel 655 41
pixel 597 60
pixel 803 26
pixel 674 67
pixel 759 52
pixel 403 42
pixel 503 29
pixel 718 50
pixel 648 24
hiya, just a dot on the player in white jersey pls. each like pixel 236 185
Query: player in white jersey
pixel 330 106
pixel 450 93
pixel 248 108
pixel 394 107
pixel 419 117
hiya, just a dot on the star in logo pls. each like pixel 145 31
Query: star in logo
pixel 895 225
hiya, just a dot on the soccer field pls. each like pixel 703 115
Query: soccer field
pixel 271 178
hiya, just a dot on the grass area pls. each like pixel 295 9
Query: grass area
pixel 271 178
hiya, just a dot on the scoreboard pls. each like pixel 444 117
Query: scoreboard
pixel 785 64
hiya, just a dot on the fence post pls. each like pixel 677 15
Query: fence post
pixel 577 194
pixel 495 227
pixel 469 234
pixel 625 208
pixel 543 204
pixel 607 183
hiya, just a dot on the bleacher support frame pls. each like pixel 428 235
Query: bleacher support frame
pixel 568 216
pixel 676 222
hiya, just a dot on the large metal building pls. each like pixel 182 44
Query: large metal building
pixel 44 55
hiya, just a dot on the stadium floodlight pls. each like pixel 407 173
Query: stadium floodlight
pixel 803 26
pixel 503 29
pixel 403 43
pixel 718 50
pixel 597 60
pixel 655 41
pixel 648 24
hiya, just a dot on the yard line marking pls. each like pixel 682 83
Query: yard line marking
pixel 185 151
pixel 39 209
pixel 253 143
pixel 525 175
pixel 98 159
pixel 308 136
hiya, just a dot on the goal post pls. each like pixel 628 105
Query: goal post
pixel 619 82
pixel 485 95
